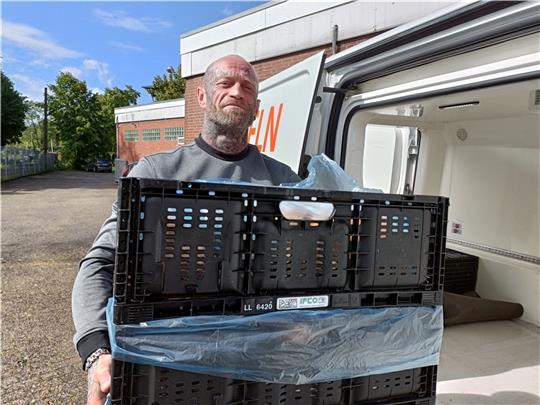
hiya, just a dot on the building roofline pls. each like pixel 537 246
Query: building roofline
pixel 226 20
pixel 178 101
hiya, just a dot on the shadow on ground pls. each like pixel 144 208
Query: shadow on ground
pixel 60 180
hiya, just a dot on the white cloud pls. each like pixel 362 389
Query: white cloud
pixel 34 40
pixel 91 68
pixel 122 20
pixel 76 72
pixel 128 47
pixel 5 58
pixel 100 68
pixel 97 90
pixel 41 63
pixel 29 87
pixel 227 11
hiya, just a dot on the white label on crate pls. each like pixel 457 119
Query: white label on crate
pixel 312 301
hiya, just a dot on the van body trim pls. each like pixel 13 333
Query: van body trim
pixel 437 42
pixel 458 89
pixel 408 32
pixel 501 252
pixel 308 123
pixel 333 123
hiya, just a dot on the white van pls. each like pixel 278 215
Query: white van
pixel 446 105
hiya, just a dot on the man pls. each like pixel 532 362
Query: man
pixel 229 98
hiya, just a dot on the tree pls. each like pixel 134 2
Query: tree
pixel 167 86
pixel 109 100
pixel 13 111
pixel 32 136
pixel 77 115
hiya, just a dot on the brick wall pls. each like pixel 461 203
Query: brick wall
pixel 264 69
pixel 133 151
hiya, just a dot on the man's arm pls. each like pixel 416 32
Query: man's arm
pixel 92 289
pixel 94 282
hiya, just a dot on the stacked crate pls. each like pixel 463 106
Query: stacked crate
pixel 195 248
pixel 461 270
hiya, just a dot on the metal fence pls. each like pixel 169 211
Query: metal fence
pixel 19 162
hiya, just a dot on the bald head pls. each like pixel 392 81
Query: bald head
pixel 228 96
pixel 226 64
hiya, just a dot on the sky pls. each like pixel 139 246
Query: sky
pixel 106 44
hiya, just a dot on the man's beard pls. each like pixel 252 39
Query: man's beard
pixel 232 119
pixel 232 125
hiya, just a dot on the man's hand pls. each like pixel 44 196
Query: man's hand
pixel 99 380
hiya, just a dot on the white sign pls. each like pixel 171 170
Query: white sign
pixel 313 301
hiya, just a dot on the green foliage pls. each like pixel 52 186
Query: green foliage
pixel 109 100
pixel 77 115
pixel 84 121
pixel 168 86
pixel 32 136
pixel 13 110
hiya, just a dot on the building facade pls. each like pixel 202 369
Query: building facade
pixel 149 128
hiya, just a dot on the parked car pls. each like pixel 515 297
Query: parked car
pixel 100 165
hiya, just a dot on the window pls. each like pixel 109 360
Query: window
pixel 379 148
pixel 385 157
pixel 175 134
pixel 131 135
pixel 152 134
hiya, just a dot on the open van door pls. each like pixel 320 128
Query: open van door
pixel 287 101
pixel 445 105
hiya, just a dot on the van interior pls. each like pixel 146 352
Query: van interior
pixel 481 149
pixel 479 145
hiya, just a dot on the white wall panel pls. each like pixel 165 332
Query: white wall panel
pixel 225 32
pixel 495 192
pixel 292 10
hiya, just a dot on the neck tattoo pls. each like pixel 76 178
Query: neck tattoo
pixel 225 139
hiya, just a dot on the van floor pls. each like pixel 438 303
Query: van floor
pixel 490 363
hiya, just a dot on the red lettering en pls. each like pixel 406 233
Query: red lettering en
pixel 272 129
pixel 256 129
pixel 260 116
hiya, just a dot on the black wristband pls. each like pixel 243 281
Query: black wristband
pixel 90 343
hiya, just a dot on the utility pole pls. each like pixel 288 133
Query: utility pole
pixel 45 122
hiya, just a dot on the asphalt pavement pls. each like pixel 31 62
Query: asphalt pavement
pixel 48 223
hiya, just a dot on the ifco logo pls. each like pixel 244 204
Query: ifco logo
pixel 312 300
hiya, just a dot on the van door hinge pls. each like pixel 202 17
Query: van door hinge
pixel 334 90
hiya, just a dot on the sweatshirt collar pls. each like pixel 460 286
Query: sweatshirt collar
pixel 220 155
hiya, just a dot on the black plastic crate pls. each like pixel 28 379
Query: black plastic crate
pixel 461 271
pixel 186 239
pixel 135 313
pixel 137 384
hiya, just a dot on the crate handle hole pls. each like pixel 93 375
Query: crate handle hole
pixel 307 210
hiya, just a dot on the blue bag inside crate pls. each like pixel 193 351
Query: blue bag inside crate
pixel 286 347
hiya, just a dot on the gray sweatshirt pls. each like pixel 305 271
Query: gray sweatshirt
pixel 93 285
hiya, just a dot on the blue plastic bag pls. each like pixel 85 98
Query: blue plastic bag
pixel 325 174
pixel 286 347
